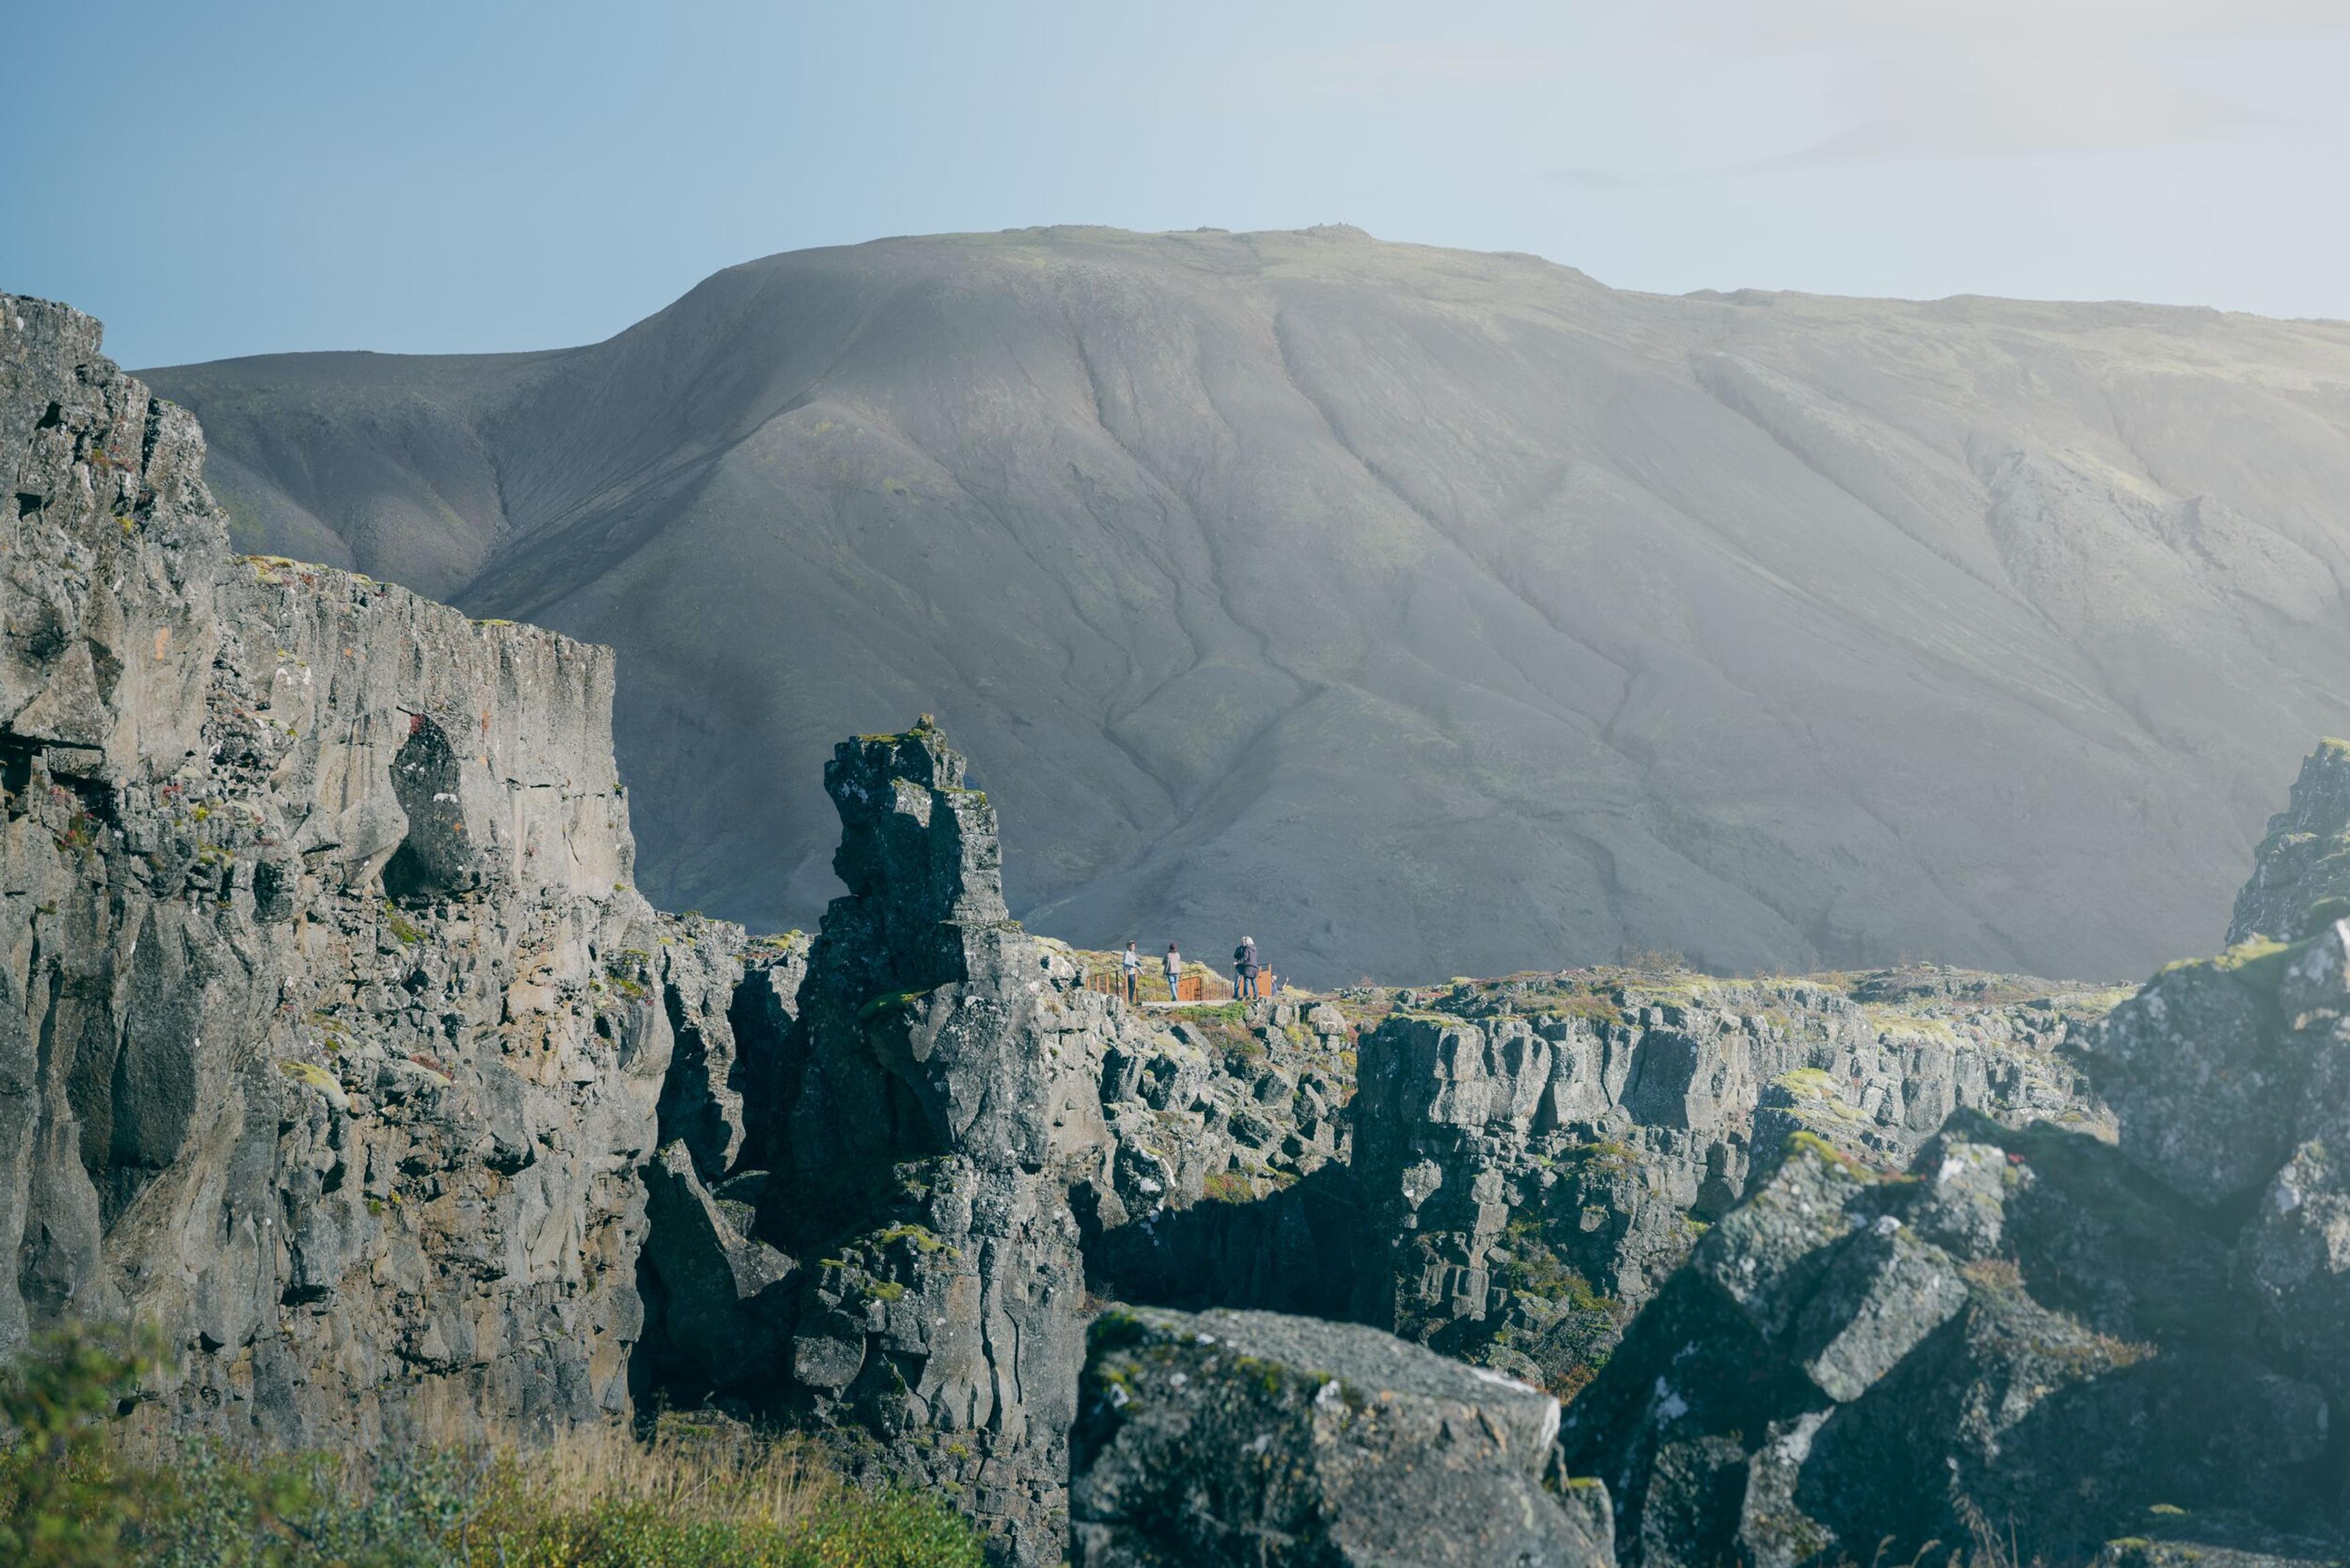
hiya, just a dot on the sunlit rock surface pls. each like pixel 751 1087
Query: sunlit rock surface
pixel 326 1046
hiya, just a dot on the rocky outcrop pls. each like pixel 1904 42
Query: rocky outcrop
pixel 2051 1344
pixel 1535 1156
pixel 2246 1127
pixel 1243 1439
pixel 322 1044
pixel 944 1095
pixel 1225 1181
pixel 339 1044
pixel 892 1158
pixel 2302 868
pixel 2014 1343
pixel 860 1206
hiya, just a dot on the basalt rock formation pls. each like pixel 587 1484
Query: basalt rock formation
pixel 339 1046
pixel 2303 864
pixel 322 1047
pixel 943 1099
pixel 336 1040
pixel 2016 1342
pixel 2036 1340
pixel 891 1158
pixel 1534 1158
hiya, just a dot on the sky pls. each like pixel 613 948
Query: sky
pixel 234 177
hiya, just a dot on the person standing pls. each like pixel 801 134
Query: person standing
pixel 1130 963
pixel 1174 974
pixel 1245 968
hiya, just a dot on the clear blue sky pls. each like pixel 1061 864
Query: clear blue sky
pixel 229 178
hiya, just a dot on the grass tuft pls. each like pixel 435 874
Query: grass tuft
pixel 76 1492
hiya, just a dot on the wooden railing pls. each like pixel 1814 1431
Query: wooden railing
pixel 1197 986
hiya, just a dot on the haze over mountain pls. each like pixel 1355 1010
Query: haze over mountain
pixel 1417 611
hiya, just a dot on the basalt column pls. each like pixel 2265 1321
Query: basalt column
pixel 943 1103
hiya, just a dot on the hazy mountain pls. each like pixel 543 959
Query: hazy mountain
pixel 1416 611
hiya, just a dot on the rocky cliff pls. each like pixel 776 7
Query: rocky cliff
pixel 1534 1158
pixel 2036 1339
pixel 337 1044
pixel 943 1100
pixel 2305 860
pixel 324 1044
pixel 886 1153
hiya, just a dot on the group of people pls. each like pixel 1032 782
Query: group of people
pixel 1245 970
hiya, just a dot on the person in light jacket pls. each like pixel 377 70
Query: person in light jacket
pixel 1174 974
pixel 1129 963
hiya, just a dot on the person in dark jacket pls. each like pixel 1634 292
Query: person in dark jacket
pixel 1245 968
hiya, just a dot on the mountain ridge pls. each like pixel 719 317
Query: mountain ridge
pixel 1300 579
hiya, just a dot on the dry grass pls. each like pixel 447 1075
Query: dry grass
pixel 702 1493
pixel 690 1470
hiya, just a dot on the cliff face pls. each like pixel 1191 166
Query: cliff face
pixel 2305 860
pixel 337 1044
pixel 1535 1159
pixel 325 1042
pixel 943 1103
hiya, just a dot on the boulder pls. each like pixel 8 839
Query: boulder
pixel 2202 1079
pixel 1253 1439
pixel 1993 1348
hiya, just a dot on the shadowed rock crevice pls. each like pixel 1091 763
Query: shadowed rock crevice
pixel 1295 1250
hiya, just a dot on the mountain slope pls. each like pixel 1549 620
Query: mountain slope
pixel 1415 611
